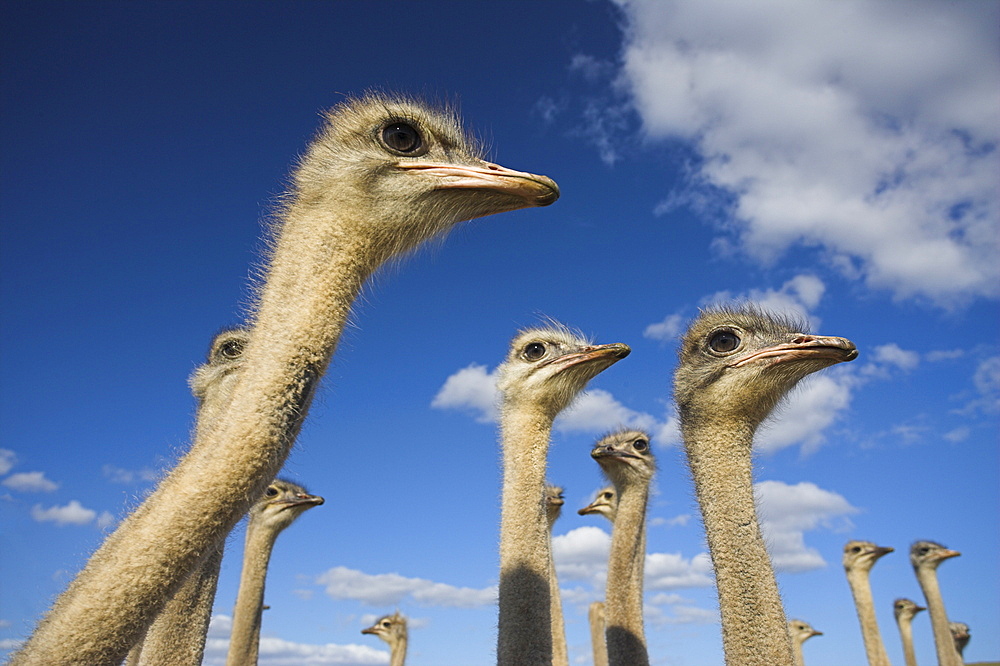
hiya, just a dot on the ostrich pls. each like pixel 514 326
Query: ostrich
pixel 605 504
pixel 392 630
pixel 554 501
pixel 627 460
pixel 597 619
pixel 960 633
pixel 281 504
pixel 859 558
pixel 544 371
pixel 925 556
pixel 177 635
pixel 800 632
pixel 383 175
pixel 905 610
pixel 735 365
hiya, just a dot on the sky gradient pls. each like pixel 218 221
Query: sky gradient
pixel 837 161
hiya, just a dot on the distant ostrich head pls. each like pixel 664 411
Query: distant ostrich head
pixel 554 501
pixel 929 554
pixel 282 503
pixel 605 504
pixel 905 609
pixel 625 456
pixel 862 555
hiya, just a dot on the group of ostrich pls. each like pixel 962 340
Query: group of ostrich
pixel 383 175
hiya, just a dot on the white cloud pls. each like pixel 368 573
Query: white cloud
pixel 105 520
pixel 987 382
pixel 893 354
pixel 680 614
pixel 391 589
pixel 7 460
pixel 815 404
pixel 597 410
pixel 879 150
pixel 944 355
pixel 667 330
pixel 957 435
pixel 671 571
pixel 787 512
pixel 30 482
pixel 582 554
pixel 472 389
pixel 11 644
pixel 71 514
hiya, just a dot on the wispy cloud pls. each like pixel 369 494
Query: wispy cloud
pixel 129 476
pixel 788 511
pixel 7 460
pixel 27 482
pixel 390 589
pixel 890 172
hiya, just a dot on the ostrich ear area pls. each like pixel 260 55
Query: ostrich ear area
pixel 532 189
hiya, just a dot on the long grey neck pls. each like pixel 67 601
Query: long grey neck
pixel 754 630
pixel 906 636
pixel 861 589
pixel 946 653
pixel 626 639
pixel 525 636
pixel 244 641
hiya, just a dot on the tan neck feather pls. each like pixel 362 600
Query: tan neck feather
pixel 244 642
pixel 525 637
pixel 946 653
pixel 754 629
pixel 906 636
pixel 858 579
pixel 626 639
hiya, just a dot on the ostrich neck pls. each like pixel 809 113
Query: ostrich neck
pixel 525 633
pixel 946 653
pixel 398 652
pixel 862 590
pixel 754 631
pixel 597 641
pixel 906 636
pixel 799 660
pixel 177 636
pixel 245 638
pixel 626 639
pixel 560 653
pixel 314 278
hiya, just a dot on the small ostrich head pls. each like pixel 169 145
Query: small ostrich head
pixel 390 628
pixel 862 555
pixel 605 504
pixel 409 170
pixel 928 554
pixel 224 358
pixel 554 501
pixel 737 363
pixel 547 367
pixel 905 609
pixel 800 630
pixel 625 457
pixel 282 502
pixel 960 634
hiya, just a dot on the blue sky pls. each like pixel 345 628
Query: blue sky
pixel 838 160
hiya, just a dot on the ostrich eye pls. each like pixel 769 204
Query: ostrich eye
pixel 402 137
pixel 271 491
pixel 386 624
pixel 608 496
pixel 232 349
pixel 856 549
pixel 640 445
pixel 534 351
pixel 724 341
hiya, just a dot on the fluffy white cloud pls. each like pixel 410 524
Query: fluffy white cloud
pixel 71 514
pixel 582 554
pixel 987 382
pixel 597 410
pixel 671 571
pixel 473 389
pixel 667 330
pixel 787 512
pixel 879 150
pixel 806 413
pixel 893 354
pixel 27 482
pixel 391 589
pixel 279 652
pixel 7 460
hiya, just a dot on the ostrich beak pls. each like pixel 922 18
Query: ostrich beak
pixel 806 347
pixel 815 633
pixel 533 189
pixel 879 551
pixel 608 354
pixel 946 553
